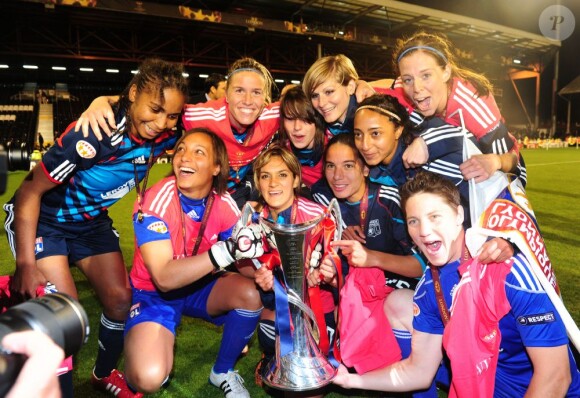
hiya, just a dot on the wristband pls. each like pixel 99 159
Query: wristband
pixel 219 255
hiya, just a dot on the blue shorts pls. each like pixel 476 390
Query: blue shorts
pixel 76 240
pixel 166 309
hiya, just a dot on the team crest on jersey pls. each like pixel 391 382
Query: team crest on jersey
pixel 135 310
pixel 158 226
pixel 85 150
pixel 536 319
pixel 38 246
pixel 374 228
pixel 416 309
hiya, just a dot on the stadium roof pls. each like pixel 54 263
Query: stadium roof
pixel 572 88
pixel 398 16
pixel 287 35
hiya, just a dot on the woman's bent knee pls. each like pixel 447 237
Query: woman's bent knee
pixel 147 380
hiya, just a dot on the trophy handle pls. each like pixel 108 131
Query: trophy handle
pixel 247 212
pixel 334 210
pixel 312 324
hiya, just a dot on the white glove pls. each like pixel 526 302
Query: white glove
pixel 246 243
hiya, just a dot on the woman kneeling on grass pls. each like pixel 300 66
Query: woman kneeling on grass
pixel 277 176
pixel 184 242
pixel 497 324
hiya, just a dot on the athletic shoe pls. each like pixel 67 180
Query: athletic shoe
pixel 115 385
pixel 231 384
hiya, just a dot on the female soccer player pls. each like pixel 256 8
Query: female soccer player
pixel 434 84
pixel 382 135
pixel 59 213
pixel 245 119
pixel 277 176
pixel 373 208
pixel 383 259
pixel 183 243
pixel 330 83
pixel 507 337
pixel 302 130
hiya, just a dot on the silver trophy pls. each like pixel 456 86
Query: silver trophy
pixel 305 367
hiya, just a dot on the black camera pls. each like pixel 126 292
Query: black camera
pixel 13 156
pixel 57 315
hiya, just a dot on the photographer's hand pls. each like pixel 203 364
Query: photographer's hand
pixel 38 376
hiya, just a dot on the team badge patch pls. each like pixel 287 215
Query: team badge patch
pixel 416 309
pixel 85 150
pixel 536 319
pixel 38 246
pixel 158 226
pixel 135 310
pixel 374 228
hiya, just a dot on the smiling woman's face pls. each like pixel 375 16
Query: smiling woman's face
pixel 246 98
pixel 331 99
pixel 277 185
pixel 435 227
pixel 425 82
pixel 194 165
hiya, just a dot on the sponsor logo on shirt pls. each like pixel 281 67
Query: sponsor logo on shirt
pixel 158 226
pixel 140 160
pixel 119 192
pixel 537 319
pixel 85 150
pixel 374 228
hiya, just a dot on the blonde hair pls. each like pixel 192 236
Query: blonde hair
pixel 439 47
pixel 338 67
pixel 250 64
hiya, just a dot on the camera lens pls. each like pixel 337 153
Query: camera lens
pixel 18 156
pixel 57 315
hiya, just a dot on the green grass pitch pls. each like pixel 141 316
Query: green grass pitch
pixel 553 189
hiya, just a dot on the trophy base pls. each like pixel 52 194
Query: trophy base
pixel 298 373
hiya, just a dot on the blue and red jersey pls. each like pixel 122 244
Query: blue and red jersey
pixel 93 175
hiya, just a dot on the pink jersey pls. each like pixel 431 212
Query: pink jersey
pixel 479 302
pixel 367 341
pixel 479 115
pixel 162 201
pixel 214 116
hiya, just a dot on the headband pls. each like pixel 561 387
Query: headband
pixel 380 110
pixel 246 70
pixel 428 48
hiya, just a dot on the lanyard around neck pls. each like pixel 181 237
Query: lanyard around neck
pixel 141 190
pixel 441 304
pixel 204 219
pixel 363 209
